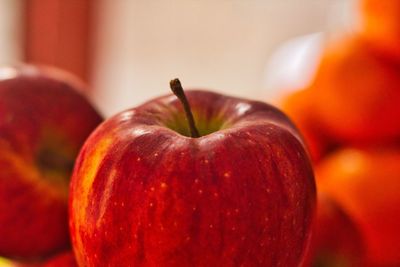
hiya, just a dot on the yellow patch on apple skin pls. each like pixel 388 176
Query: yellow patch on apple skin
pixel 87 173
pixel 7 263
pixel 106 196
pixel 26 170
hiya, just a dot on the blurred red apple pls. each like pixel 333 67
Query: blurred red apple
pixel 337 242
pixel 65 259
pixel 366 184
pixel 146 191
pixel 44 120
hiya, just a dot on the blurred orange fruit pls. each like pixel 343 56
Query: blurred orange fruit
pixel 298 106
pixel 356 94
pixel 366 183
pixel 381 24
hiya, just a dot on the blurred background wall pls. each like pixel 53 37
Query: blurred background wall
pixel 128 50
pixel 11 31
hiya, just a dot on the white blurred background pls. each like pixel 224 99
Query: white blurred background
pixel 249 48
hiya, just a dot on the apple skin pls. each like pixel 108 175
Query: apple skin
pixel 365 182
pixel 44 121
pixel 242 194
pixel 64 259
pixel 4 262
pixel 337 241
pixel 7 263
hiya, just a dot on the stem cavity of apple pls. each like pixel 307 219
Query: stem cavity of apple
pixel 178 91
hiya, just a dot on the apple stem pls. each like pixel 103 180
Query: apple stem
pixel 177 89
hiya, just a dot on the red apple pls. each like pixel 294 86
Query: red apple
pixel 43 124
pixel 337 241
pixel 65 259
pixel 147 192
